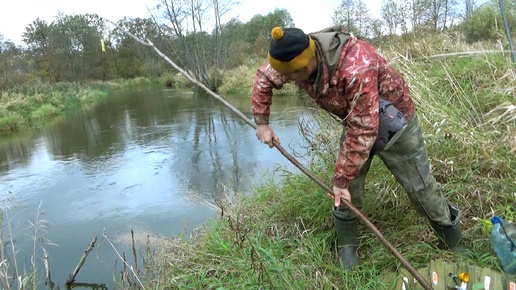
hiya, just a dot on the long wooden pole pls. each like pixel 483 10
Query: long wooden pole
pixel 425 284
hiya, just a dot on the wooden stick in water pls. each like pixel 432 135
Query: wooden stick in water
pixel 90 247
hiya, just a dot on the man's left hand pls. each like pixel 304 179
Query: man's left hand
pixel 341 193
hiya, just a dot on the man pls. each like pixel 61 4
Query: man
pixel 348 78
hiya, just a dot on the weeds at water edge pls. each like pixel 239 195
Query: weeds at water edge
pixel 11 275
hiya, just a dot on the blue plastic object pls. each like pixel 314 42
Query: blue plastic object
pixel 503 237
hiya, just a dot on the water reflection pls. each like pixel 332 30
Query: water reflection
pixel 133 162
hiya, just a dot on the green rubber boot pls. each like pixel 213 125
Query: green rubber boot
pixel 451 237
pixel 347 244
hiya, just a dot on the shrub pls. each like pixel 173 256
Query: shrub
pixel 44 112
pixel 11 122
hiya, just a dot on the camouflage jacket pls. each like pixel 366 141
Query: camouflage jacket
pixel 351 93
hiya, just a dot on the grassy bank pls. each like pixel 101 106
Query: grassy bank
pixel 282 237
pixel 27 105
pixel 31 103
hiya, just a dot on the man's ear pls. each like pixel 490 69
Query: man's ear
pixel 308 68
pixel 312 65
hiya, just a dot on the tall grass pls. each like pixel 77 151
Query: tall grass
pixel 282 236
pixel 31 103
pixel 240 79
pixel 15 275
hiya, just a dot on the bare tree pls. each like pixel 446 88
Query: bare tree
pixel 469 7
pixel 434 13
pixel 450 13
pixel 363 19
pixel 345 13
pixel 355 16
pixel 389 12
pixel 442 13
pixel 377 28
pixel 417 13
pixel 200 51
pixel 403 16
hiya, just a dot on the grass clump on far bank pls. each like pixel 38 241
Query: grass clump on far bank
pixel 30 103
pixel 282 237
pixel 240 80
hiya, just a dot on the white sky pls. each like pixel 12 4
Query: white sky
pixel 15 15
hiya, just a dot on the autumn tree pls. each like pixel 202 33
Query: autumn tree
pixel 258 29
pixel 38 38
pixel 238 49
pixel 128 57
pixel 77 41
pixel 485 23
pixel 13 67
pixel 66 49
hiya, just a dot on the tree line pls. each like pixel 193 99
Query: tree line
pixel 78 48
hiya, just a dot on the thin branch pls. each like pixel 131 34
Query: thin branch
pixel 90 247
pixel 129 33
pixel 123 260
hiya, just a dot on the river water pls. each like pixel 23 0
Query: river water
pixel 139 160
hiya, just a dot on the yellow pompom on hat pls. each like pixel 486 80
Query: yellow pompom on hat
pixel 290 49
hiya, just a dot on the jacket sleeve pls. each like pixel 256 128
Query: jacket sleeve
pixel 265 80
pixel 360 67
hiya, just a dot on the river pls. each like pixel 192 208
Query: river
pixel 140 160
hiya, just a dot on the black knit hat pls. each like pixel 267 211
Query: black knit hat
pixel 290 49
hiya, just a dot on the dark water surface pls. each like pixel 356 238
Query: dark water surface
pixel 134 162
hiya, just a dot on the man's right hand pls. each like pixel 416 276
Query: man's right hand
pixel 266 135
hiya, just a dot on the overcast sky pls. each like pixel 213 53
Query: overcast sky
pixel 15 15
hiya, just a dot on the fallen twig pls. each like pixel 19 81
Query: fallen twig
pixel 48 280
pixel 92 286
pixel 90 247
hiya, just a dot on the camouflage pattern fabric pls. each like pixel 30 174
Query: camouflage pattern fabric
pixel 352 93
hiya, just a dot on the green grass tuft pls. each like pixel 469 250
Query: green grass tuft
pixel 43 112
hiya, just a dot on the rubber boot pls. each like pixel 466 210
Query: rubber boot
pixel 347 244
pixel 450 237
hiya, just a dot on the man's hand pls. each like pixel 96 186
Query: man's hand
pixel 341 192
pixel 266 135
